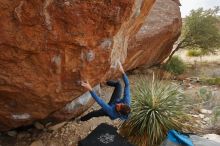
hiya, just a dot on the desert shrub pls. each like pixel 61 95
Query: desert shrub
pixel 194 53
pixel 216 115
pixel 157 107
pixel 175 65
pixel 203 99
pixel 211 81
pixel 205 94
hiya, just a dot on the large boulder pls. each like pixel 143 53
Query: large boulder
pixel 154 41
pixel 149 46
pixel 47 47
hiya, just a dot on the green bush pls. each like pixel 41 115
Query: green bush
pixel 216 115
pixel 194 53
pixel 205 94
pixel 175 65
pixel 211 81
pixel 157 107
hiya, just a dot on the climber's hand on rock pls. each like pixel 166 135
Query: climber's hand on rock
pixel 121 67
pixel 86 85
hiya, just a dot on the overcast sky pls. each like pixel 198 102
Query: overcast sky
pixel 188 5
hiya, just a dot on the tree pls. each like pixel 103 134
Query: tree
pixel 200 31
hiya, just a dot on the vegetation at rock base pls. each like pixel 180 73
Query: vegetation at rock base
pixel 204 94
pixel 216 115
pixel 201 31
pixel 194 53
pixel 157 107
pixel 211 81
pixel 175 65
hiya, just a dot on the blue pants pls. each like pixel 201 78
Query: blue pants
pixel 115 95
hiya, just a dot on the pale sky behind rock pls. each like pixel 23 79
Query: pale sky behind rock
pixel 188 5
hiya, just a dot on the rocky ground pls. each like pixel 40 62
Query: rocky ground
pixel 70 132
pixel 62 134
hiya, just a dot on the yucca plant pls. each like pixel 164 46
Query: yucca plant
pixel 157 107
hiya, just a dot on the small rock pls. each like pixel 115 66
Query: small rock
pixel 196 116
pixel 92 128
pixel 80 137
pixel 203 126
pixel 12 133
pixel 189 86
pixel 193 79
pixel 78 123
pixel 201 116
pixel 37 143
pixel 57 126
pixel 196 125
pixel 213 137
pixel 23 135
pixel 38 125
pixel 205 111
pixel 206 119
pixel 48 124
pixel 203 122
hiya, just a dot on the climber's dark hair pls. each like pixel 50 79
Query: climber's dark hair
pixel 125 109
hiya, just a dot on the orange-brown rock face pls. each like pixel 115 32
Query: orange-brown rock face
pixel 48 46
pixel 137 43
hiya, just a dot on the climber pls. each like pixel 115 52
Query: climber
pixel 117 107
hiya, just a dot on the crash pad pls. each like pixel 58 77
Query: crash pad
pixel 105 135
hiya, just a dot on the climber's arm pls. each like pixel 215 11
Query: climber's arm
pixel 99 100
pixel 127 97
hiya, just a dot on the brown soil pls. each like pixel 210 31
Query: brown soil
pixel 67 135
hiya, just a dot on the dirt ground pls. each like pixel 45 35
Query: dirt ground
pixel 63 134
pixel 206 66
pixel 207 58
pixel 70 132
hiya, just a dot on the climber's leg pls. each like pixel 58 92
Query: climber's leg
pixel 97 113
